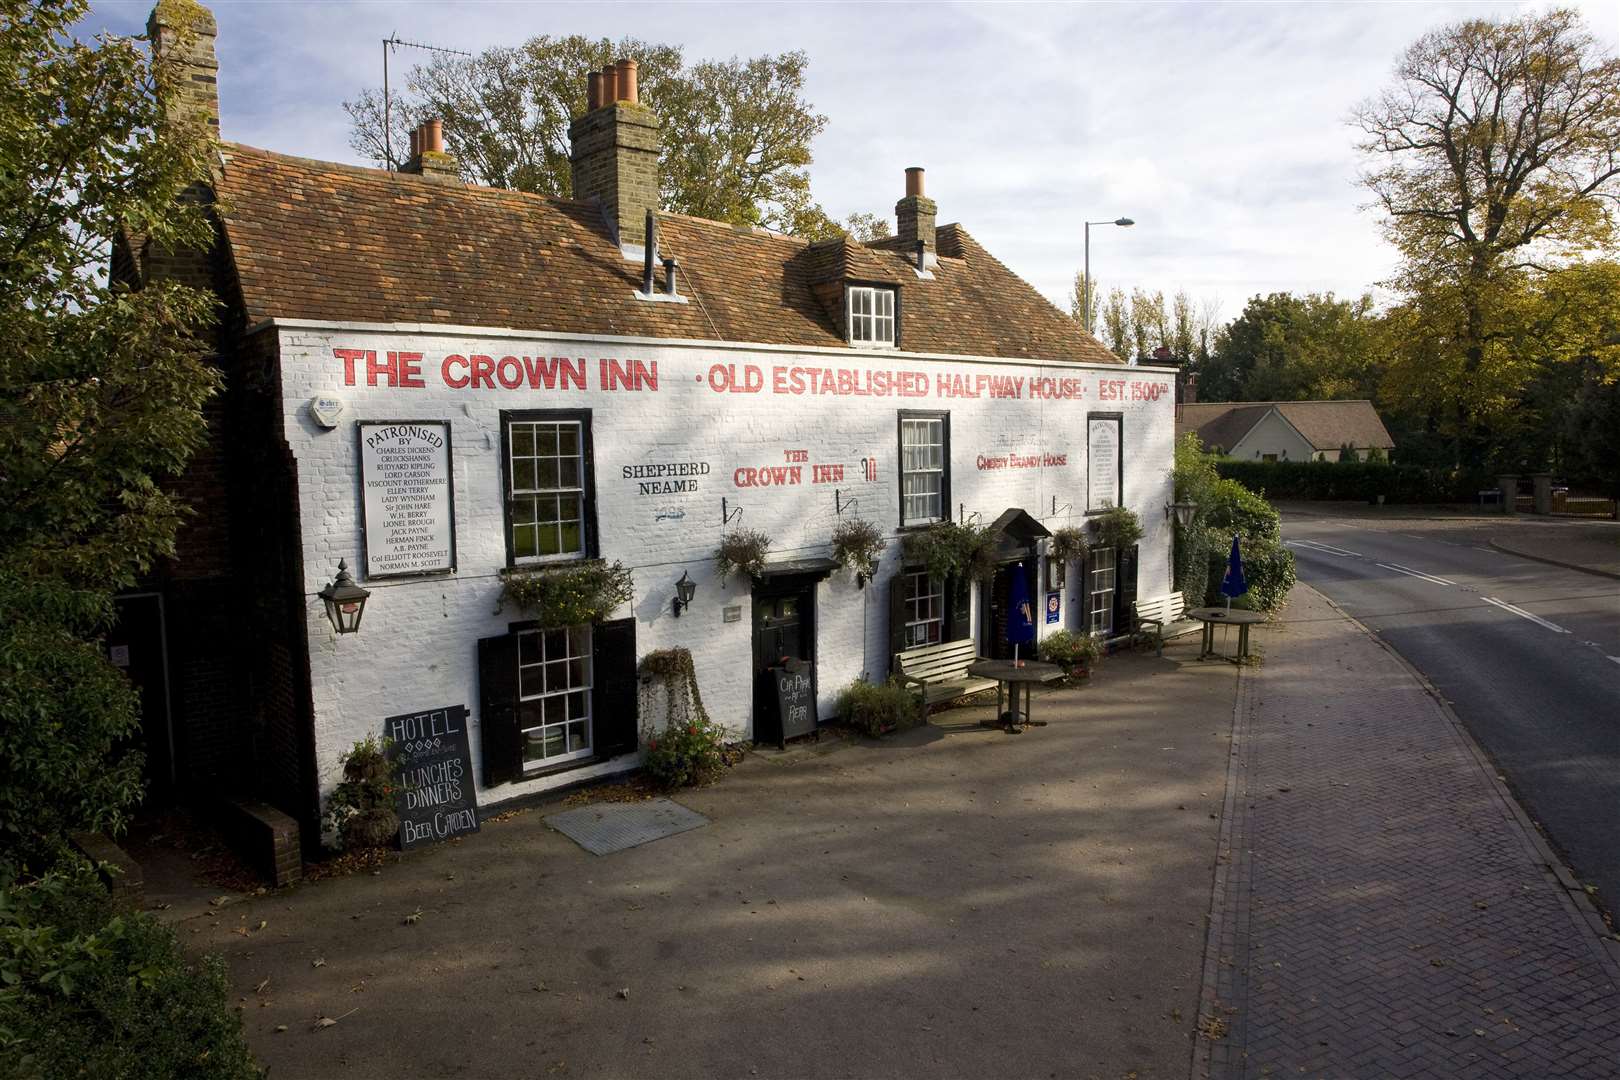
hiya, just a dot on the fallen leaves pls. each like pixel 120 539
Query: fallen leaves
pixel 323 1022
pixel 413 918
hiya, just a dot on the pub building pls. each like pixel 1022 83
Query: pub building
pixel 433 384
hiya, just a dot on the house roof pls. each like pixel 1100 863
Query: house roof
pixel 1326 425
pixel 316 240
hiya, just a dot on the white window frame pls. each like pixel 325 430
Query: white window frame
pixel 531 496
pixel 925 608
pixel 535 689
pixel 1100 616
pixel 870 316
pixel 936 439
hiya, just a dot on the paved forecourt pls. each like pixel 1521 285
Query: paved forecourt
pixel 1385 909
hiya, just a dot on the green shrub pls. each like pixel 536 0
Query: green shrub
pixel 85 992
pixel 1070 651
pixel 1268 570
pixel 1358 481
pixel 1234 509
pixel 876 708
pixel 685 753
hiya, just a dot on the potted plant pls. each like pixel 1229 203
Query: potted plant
pixel 361 809
pixel 1074 653
pixel 856 546
pixel 742 552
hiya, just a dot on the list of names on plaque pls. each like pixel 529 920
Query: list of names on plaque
pixel 410 516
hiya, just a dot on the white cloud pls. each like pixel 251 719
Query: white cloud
pixel 1219 127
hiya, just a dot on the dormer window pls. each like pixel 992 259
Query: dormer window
pixel 871 316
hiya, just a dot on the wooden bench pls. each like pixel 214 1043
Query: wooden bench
pixel 939 672
pixel 1163 617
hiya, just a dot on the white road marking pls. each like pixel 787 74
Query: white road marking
pixel 1616 659
pixel 1316 545
pixel 1488 551
pixel 1409 572
pixel 1523 614
pixel 1409 536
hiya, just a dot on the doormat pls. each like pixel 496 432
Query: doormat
pixel 608 827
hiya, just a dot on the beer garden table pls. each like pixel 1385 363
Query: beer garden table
pixel 1212 617
pixel 1025 673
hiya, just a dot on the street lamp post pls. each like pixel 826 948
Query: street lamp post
pixel 1123 222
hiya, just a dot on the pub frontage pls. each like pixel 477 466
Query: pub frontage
pixel 439 386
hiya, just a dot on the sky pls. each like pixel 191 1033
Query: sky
pixel 1220 128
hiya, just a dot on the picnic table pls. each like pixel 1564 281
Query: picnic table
pixel 1025 673
pixel 1212 617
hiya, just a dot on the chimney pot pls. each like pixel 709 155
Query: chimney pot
pixel 610 85
pixel 670 268
pixel 593 90
pixel 628 91
pixel 433 136
pixel 914 182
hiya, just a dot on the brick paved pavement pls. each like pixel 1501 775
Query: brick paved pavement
pixel 1384 909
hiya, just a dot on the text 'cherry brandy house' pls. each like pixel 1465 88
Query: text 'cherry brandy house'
pixel 445 386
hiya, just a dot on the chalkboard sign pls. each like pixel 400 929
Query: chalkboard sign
pixel 436 795
pixel 795 699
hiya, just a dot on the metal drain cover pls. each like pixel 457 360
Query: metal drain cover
pixel 605 828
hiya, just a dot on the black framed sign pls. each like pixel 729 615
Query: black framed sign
pixel 436 799
pixel 407 499
pixel 1105 464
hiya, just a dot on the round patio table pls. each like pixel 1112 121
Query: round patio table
pixel 1025 673
pixel 1212 617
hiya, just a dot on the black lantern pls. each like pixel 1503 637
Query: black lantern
pixel 345 601
pixel 685 589
pixel 1183 512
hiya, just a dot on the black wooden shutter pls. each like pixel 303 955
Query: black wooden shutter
pixel 897 617
pixel 615 696
pixel 499 738
pixel 1125 589
pixel 960 591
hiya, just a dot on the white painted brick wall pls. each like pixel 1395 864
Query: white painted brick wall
pixel 418 646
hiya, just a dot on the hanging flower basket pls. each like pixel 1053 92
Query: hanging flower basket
pixel 1068 544
pixel 947 550
pixel 742 553
pixel 856 546
pixel 570 594
pixel 1116 527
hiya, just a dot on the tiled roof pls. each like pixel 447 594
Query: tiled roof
pixel 316 240
pixel 1326 425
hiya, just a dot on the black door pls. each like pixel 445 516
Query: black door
pixel 995 609
pixel 135 646
pixel 1125 589
pixel 784 629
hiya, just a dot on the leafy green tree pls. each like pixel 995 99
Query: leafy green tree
pixel 1285 347
pixel 737 133
pixel 1494 158
pixel 101 394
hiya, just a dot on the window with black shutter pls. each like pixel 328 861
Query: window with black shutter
pixel 1125 589
pixel 499 741
pixel 926 610
pixel 615 703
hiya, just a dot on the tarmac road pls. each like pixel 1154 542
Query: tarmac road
pixel 1527 654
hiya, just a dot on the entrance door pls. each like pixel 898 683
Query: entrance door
pixel 135 645
pixel 995 610
pixel 784 629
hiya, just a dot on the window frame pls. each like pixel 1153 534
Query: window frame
pixel 872 288
pixel 589 547
pixel 1092 593
pixel 939 592
pixel 944 417
pixel 587 689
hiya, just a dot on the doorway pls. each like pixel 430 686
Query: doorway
pixel 995 608
pixel 137 645
pixel 784 630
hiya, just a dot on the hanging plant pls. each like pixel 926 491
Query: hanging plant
pixel 567 595
pixel 1116 527
pixel 947 549
pixel 857 545
pixel 741 552
pixel 1068 544
pixel 683 702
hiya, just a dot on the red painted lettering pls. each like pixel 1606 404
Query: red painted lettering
pixel 454 382
pixel 373 368
pixel 348 356
pixel 410 372
pixel 483 372
pixel 510 372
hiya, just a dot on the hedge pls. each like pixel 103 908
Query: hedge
pixel 1361 481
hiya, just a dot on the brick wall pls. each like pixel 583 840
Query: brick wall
pixel 615 159
pixel 417 648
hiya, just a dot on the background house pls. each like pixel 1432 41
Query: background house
pixel 1285 430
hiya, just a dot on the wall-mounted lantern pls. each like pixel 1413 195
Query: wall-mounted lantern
pixel 685 589
pixel 1182 511
pixel 345 601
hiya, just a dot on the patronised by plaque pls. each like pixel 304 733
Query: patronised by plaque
pixel 407 497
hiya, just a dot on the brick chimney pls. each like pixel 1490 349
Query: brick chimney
pixel 915 214
pixel 428 158
pixel 615 154
pixel 184 30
